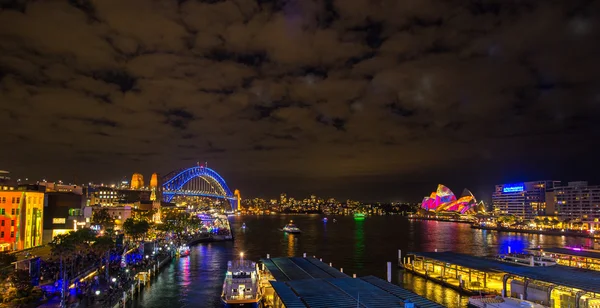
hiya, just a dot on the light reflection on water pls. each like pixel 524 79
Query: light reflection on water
pixel 361 247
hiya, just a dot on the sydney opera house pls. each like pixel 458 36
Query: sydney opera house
pixel 444 200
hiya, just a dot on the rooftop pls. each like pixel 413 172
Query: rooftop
pixel 576 252
pixel 582 279
pixel 308 282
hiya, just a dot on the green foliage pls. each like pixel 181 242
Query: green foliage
pixel 6 259
pixel 66 244
pixel 103 218
pixel 21 280
pixel 136 228
pixel 103 244
pixel 178 222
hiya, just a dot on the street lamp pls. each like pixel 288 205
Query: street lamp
pixel 114 279
pixel 97 292
pixel 241 255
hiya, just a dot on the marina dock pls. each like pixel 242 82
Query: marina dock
pixel 551 286
pixel 308 282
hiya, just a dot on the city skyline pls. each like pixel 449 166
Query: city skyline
pixel 303 97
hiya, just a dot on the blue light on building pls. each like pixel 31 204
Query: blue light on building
pixel 511 188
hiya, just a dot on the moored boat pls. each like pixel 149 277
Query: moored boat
pixel 241 287
pixel 291 228
pixel 184 251
pixel 527 259
pixel 359 216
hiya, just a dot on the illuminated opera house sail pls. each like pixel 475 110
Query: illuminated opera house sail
pixel 444 200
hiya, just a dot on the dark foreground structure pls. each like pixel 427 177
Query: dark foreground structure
pixel 308 282
pixel 551 286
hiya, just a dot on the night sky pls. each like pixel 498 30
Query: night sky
pixel 364 99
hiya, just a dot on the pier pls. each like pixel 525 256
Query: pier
pixel 308 282
pixel 572 257
pixel 551 286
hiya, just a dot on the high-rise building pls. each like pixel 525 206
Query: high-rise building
pixel 525 200
pixel 21 214
pixel 576 201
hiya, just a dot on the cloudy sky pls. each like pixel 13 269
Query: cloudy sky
pixel 367 99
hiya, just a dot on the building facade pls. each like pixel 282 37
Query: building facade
pixel 63 213
pixel 21 219
pixel 525 200
pixel 577 201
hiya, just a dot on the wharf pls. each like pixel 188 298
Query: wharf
pixel 553 286
pixel 572 257
pixel 308 282
pixel 529 231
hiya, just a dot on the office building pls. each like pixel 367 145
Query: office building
pixel 21 219
pixel 525 200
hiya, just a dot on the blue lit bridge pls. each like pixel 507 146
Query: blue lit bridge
pixel 199 181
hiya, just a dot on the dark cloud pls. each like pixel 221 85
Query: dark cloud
pixel 356 98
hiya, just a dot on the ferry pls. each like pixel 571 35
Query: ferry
pixel 291 228
pixel 527 259
pixel 242 284
pixel 359 216
pixel 184 251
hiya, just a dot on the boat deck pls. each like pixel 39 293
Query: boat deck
pixel 241 283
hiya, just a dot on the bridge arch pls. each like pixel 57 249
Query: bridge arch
pixel 197 181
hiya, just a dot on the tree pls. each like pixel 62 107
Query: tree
pixel 62 245
pixel 103 218
pixel 136 228
pixel 103 244
pixel 21 280
pixel 7 259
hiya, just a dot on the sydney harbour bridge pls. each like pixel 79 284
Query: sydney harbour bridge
pixel 198 181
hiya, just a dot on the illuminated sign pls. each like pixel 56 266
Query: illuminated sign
pixel 513 188
pixel 58 221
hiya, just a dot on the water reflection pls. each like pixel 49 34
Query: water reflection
pixel 197 282
pixel 291 240
pixel 359 244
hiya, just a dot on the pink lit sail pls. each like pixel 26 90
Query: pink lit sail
pixel 444 200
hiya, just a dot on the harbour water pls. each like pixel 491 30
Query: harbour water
pixel 359 247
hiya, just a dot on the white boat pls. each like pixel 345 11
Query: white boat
pixel 291 228
pixel 241 287
pixel 527 259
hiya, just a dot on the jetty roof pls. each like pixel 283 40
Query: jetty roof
pixel 576 252
pixel 308 282
pixel 582 279
pixel 286 269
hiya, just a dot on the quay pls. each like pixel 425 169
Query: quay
pixel 308 282
pixel 551 286
pixel 572 233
